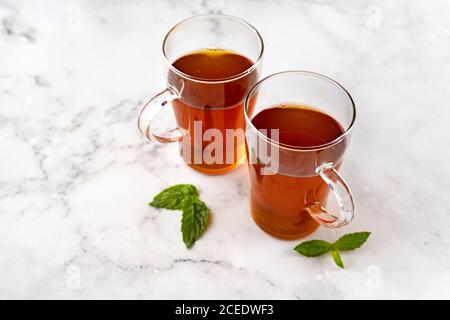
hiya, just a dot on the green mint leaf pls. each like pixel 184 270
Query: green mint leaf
pixel 337 258
pixel 351 241
pixel 173 198
pixel 194 220
pixel 313 248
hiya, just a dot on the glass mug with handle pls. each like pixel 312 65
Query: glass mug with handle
pixel 213 61
pixel 298 128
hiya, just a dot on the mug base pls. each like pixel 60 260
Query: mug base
pixel 283 236
pixel 214 172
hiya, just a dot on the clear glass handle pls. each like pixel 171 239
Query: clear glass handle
pixel 150 110
pixel 341 192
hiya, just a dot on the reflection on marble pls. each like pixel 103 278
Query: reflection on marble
pixel 75 176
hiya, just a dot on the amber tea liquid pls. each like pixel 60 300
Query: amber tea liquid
pixel 278 201
pixel 215 96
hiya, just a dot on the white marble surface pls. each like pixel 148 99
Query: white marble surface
pixel 75 176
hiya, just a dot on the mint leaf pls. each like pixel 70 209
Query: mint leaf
pixel 351 241
pixel 313 248
pixel 337 258
pixel 173 197
pixel 255 157
pixel 194 220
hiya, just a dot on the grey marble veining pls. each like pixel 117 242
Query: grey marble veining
pixel 75 176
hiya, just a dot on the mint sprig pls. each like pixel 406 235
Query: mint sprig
pixel 314 248
pixel 195 213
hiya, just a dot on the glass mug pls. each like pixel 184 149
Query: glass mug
pixel 213 61
pixel 290 184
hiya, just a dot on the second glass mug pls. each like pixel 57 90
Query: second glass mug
pixel 288 198
pixel 202 104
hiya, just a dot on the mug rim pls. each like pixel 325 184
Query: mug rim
pixel 213 16
pixel 340 138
